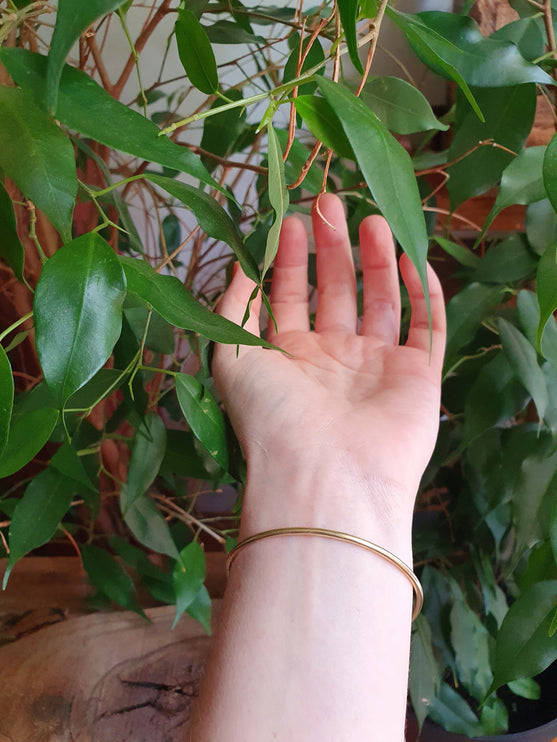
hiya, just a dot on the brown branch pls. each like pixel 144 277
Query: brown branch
pixel 226 163
pixel 99 63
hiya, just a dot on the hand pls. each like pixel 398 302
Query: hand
pixel 354 403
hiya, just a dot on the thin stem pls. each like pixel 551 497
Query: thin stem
pixel 16 324
pixel 135 55
pixel 33 231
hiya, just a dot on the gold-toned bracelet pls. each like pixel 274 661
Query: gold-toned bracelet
pixel 337 536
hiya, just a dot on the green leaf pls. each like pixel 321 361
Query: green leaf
pixel 424 670
pixel 494 717
pixel 169 297
pixel 296 159
pixel 220 132
pixel 550 171
pixel 188 577
pixel 465 312
pixel 541 225
pixel 103 383
pixel 6 399
pixel 160 335
pixel 481 168
pixel 38 157
pixel 108 576
pixel 157 581
pixel 526 34
pixel 146 457
pixel 546 289
pixel 78 313
pixel 200 609
pixel 525 688
pixel 324 124
pixel 387 169
pixel 461 254
pixel 400 106
pixel 434 51
pixel 11 249
pixel 181 456
pixel 509 261
pixel 204 417
pixel 523 647
pixel 212 219
pixel 196 52
pixel 67 462
pixel 228 32
pixel 315 56
pixel 451 711
pixel 37 515
pixel 278 196
pixel 147 525
pixel 73 17
pixel 523 360
pixel 529 315
pixel 28 434
pixel 348 11
pixel 521 183
pixel 84 106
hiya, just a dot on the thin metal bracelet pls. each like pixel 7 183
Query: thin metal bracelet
pixel 337 536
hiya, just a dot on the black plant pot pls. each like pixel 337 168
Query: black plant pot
pixel 433 733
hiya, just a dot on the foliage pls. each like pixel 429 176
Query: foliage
pixel 119 220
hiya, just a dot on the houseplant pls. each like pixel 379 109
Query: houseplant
pixel 103 318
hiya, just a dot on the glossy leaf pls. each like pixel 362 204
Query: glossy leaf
pixel 84 106
pixel 324 124
pixel 463 255
pixel 314 57
pixel 526 34
pixel 521 183
pixel 67 462
pixel 38 157
pixel 108 576
pixel 434 51
pixel 169 297
pixel 6 399
pixel 73 17
pixel 465 312
pixel 278 196
pixel 84 284
pixel 450 710
pixel 11 249
pixel 550 171
pixel 482 166
pixel 188 577
pixel 541 225
pixel 529 315
pixel 523 647
pixel 147 524
pixel 400 106
pixel 348 11
pixel 508 261
pixel 212 219
pixel 227 32
pixel 160 335
pixel 147 454
pixel 196 53
pixel 103 383
pixel 37 515
pixel 523 360
pixel 204 417
pixel 387 169
pixel 546 289
pixel 424 670
pixel 28 434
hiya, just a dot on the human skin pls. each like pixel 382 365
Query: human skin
pixel 314 637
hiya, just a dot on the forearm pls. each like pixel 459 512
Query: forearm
pixel 314 637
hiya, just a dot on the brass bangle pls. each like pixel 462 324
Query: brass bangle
pixel 337 536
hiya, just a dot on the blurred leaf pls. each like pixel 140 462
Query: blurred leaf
pixel 11 249
pixel 146 458
pixel 108 576
pixel 6 399
pixel 78 313
pixel 103 383
pixel 196 52
pixel 523 360
pixel 67 462
pixel 523 647
pixel 73 17
pixel 424 671
pixel 400 106
pixel 181 456
pixel 541 225
pixel 348 11
pixel 387 169
pixel 324 124
pixel 28 434
pixel 220 132
pixel 172 232
pixel 521 183
pixel 465 312
pixel 203 416
pixel 529 315
pixel 36 517
pixel 160 335
pixel 550 171
pixel 546 289
pixel 147 524
pixel 38 157
pixel 86 107
pixel 314 57
pixel 157 582
pixel 227 32
pixel 506 262
pixel 188 577
pixel 169 297
pixel 451 711
pixel 462 254
pixel 278 196
pixel 494 717
pixel 525 688
pixel 482 167
pixel 200 609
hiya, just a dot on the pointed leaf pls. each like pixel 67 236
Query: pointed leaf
pixel 526 688
pixel 204 417
pixel 424 670
pixel 510 260
pixel 73 17
pixel 37 515
pixel 108 576
pixel 228 32
pixel 387 169
pixel 38 157
pixel 84 106
pixel 465 312
pixel 196 52
pixel 314 57
pixel 146 457
pixel 200 609
pixel 212 219
pixel 174 302
pixel 348 10
pixel 67 462
pixel 324 124
pixel 463 255
pixel 6 399
pixel 84 284
pixel 550 171
pixel 188 577
pixel 400 106
pixel 221 132
pixel 11 249
pixel 546 289
pixel 450 710
pixel 28 434
pixel 147 525
pixel 529 315
pixel 278 196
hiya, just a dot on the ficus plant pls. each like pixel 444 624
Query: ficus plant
pixel 127 193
